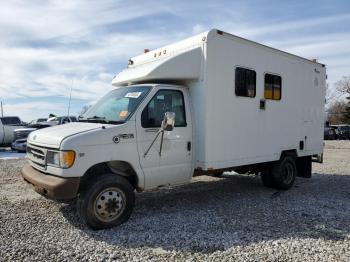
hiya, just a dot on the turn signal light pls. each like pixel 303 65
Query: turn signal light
pixel 67 158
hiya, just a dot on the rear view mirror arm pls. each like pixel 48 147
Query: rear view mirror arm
pixel 154 140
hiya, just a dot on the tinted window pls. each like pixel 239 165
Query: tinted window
pixel 164 101
pixel 245 82
pixel 10 121
pixel 273 87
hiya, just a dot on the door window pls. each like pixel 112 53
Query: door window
pixel 164 101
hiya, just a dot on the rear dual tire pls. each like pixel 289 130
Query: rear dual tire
pixel 281 175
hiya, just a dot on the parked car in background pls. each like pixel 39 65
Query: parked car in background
pixel 59 120
pixel 7 125
pixel 20 135
pixel 38 120
pixel 330 133
pixel 343 131
pixel 20 138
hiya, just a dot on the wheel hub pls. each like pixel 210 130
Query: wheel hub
pixel 109 204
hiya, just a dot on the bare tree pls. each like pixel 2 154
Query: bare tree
pixel 343 86
pixel 336 112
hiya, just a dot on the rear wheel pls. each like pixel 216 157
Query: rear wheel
pixel 284 172
pixel 281 175
pixel 108 202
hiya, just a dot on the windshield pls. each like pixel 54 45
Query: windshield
pixel 11 121
pixel 117 106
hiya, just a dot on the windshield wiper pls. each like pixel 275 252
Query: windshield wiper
pixel 100 119
pixel 96 118
pixel 115 122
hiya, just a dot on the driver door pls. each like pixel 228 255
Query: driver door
pixel 173 165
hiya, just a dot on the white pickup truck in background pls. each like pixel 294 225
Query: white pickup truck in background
pixel 19 143
pixel 7 125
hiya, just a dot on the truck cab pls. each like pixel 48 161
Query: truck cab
pixel 117 136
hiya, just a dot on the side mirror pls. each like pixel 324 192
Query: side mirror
pixel 169 121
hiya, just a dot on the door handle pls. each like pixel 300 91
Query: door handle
pixel 189 146
pixel 151 130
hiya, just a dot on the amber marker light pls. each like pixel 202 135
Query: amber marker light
pixel 67 158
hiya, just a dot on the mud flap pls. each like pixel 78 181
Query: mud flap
pixel 304 166
pixel 317 158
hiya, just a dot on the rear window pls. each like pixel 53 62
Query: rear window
pixel 10 121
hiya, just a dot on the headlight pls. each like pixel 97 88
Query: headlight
pixel 63 159
pixel 53 158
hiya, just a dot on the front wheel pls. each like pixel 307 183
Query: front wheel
pixel 107 202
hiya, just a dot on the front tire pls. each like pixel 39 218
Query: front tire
pixel 108 202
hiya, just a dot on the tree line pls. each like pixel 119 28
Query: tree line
pixel 338 102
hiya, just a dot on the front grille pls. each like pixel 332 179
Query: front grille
pixel 37 156
pixel 21 134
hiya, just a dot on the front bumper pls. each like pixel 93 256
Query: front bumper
pixel 19 145
pixel 51 186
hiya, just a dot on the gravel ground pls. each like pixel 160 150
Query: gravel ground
pixel 233 218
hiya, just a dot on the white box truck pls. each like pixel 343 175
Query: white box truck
pixel 211 103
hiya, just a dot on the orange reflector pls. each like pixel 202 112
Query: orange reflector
pixel 67 158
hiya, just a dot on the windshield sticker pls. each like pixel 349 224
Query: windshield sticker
pixel 133 95
pixel 123 114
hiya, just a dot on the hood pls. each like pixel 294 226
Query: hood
pixel 26 129
pixel 53 136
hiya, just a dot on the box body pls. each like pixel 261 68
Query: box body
pixel 231 130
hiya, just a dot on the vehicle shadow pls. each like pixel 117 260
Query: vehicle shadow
pixel 207 216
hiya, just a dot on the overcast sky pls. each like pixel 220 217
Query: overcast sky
pixel 47 47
